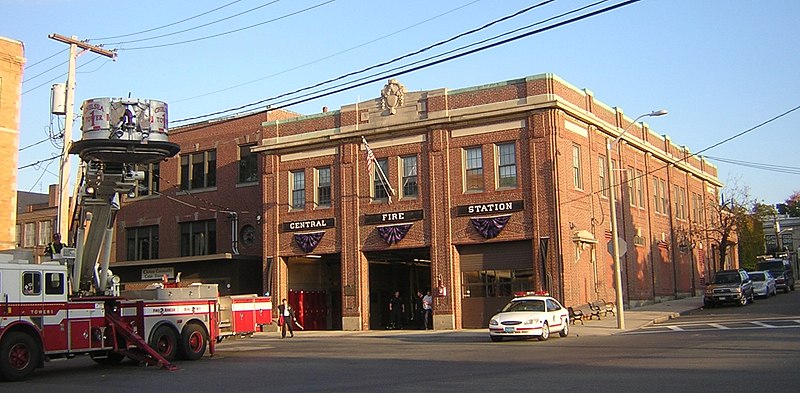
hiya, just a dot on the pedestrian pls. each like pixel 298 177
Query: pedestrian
pixel 396 310
pixel 427 307
pixel 54 247
pixel 286 318
pixel 418 315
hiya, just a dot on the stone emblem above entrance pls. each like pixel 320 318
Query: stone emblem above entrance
pixel 392 96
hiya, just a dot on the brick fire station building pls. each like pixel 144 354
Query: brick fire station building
pixel 474 194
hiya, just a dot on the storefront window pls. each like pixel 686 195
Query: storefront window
pixel 496 283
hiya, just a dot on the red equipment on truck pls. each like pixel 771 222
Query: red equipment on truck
pixel 73 305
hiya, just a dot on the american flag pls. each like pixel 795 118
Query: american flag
pixel 370 157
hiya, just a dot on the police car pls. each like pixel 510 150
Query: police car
pixel 528 316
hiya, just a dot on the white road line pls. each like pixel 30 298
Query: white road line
pixel 718 326
pixel 675 328
pixel 762 324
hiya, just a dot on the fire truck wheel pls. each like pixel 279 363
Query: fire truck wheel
pixel 165 342
pixel 193 342
pixel 19 355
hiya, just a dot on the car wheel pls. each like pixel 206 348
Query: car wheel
pixel 545 332
pixel 496 339
pixel 193 342
pixel 786 289
pixel 19 356
pixel 564 331
pixel 743 300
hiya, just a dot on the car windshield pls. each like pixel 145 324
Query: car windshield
pixel 757 276
pixel 775 266
pixel 726 278
pixel 525 305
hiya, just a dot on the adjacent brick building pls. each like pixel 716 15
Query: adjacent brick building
pixel 12 61
pixel 489 191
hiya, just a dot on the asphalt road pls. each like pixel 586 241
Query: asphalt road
pixel 708 350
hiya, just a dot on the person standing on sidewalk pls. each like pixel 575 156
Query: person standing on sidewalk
pixel 286 318
pixel 396 310
pixel 427 308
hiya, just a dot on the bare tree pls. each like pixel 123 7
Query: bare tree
pixel 726 215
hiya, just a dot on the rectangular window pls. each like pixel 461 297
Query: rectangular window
pixel 409 187
pixel 45 232
pixel 142 243
pixel 614 179
pixel 697 206
pixel 629 188
pixel 323 187
pixel 601 163
pixel 31 283
pixel 29 237
pixel 298 188
pixel 507 165
pixel 639 187
pixel 199 170
pixel 577 176
pixel 152 176
pixel 473 164
pixel 680 202
pixel 380 187
pixel 248 165
pixel 198 238
pixel 54 284
pixel 660 195
pixel 496 283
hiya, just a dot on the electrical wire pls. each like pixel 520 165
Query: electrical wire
pixel 43 72
pixel 755 165
pixel 423 66
pixel 197 27
pixel 331 55
pixel 57 77
pixel 167 25
pixel 231 31
pixel 46 58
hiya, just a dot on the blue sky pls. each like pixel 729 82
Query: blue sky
pixel 720 67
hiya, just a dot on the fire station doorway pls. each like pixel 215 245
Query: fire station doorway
pixel 404 271
pixel 315 291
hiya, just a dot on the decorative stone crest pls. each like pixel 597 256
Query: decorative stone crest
pixel 392 96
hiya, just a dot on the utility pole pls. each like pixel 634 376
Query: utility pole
pixel 62 222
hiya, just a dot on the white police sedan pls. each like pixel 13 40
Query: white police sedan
pixel 530 316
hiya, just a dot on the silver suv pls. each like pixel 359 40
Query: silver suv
pixel 729 286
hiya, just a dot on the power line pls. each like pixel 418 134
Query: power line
pixel 394 74
pixel 167 25
pixel 45 59
pixel 43 72
pixel 755 165
pixel 233 31
pixel 39 162
pixel 196 27
pixel 58 76
pixel 34 144
pixel 332 55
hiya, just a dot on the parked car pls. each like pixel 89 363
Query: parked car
pixel 782 270
pixel 763 283
pixel 729 286
pixel 530 316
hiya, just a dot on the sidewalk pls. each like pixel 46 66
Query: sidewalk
pixel 634 319
pixel 639 317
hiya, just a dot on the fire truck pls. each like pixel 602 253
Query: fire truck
pixel 74 305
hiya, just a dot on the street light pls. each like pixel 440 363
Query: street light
pixel 614 230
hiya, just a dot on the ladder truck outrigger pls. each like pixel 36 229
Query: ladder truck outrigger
pixel 73 305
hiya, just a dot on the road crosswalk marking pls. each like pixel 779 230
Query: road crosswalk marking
pixel 773 323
